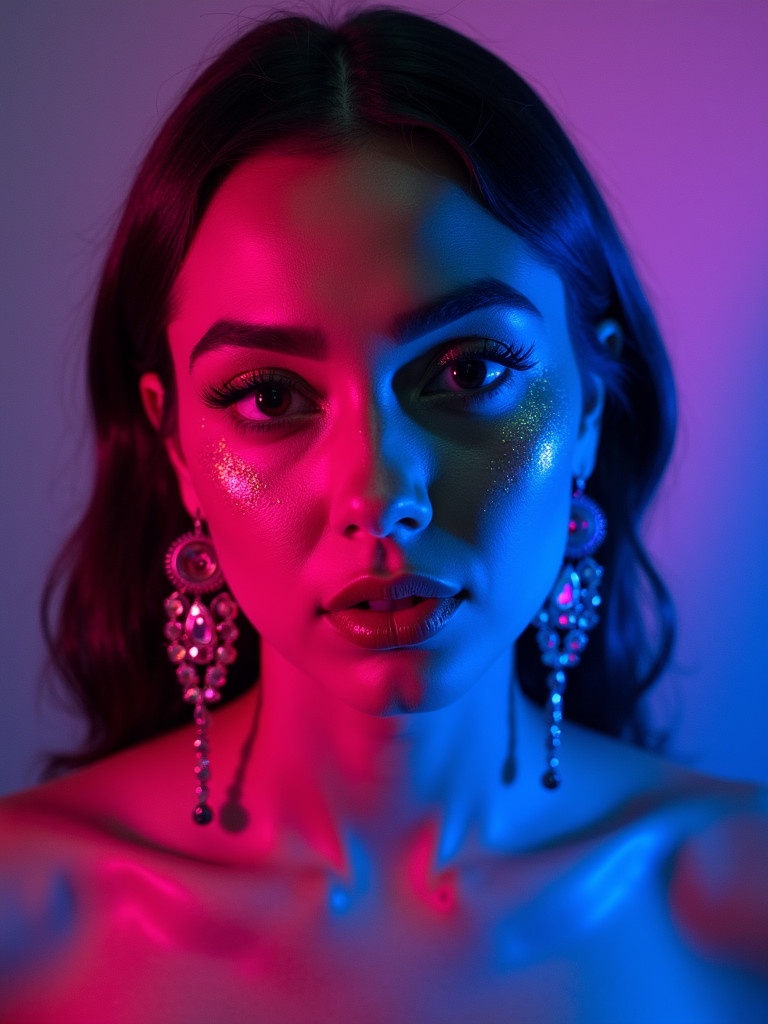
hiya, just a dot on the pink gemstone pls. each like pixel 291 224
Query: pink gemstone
pixel 175 606
pixel 224 606
pixel 187 675
pixel 225 654
pixel 173 630
pixel 199 625
pixel 215 675
pixel 228 631
pixel 567 590
pixel 176 653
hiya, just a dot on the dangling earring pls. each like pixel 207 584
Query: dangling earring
pixel 199 636
pixel 568 613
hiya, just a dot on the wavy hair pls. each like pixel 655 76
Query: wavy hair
pixel 296 81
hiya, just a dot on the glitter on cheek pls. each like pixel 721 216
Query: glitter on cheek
pixel 531 438
pixel 546 456
pixel 246 488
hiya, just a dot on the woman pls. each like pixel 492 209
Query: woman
pixel 365 336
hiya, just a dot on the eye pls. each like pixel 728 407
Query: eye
pixel 478 366
pixel 262 397
pixel 469 374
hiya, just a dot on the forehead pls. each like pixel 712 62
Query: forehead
pixel 355 234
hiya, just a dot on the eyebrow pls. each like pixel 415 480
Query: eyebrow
pixel 482 294
pixel 296 341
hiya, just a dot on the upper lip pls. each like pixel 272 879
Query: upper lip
pixel 375 588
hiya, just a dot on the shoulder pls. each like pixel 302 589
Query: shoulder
pixel 705 838
pixel 38 881
pixel 719 882
pixel 59 844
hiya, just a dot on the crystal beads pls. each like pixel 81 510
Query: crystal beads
pixel 569 612
pixel 199 636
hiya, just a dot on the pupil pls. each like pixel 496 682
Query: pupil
pixel 273 400
pixel 469 373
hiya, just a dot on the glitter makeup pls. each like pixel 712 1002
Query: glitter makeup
pixel 239 480
pixel 530 438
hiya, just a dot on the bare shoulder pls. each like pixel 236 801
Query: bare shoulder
pixel 54 840
pixel 39 865
pixel 703 839
pixel 719 886
pixel 717 850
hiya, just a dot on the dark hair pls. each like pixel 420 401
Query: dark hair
pixel 296 81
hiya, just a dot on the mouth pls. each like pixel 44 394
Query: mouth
pixel 389 606
pixel 385 614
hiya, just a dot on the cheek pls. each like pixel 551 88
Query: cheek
pixel 519 495
pixel 534 445
pixel 515 476
pixel 529 485
pixel 234 481
pixel 254 517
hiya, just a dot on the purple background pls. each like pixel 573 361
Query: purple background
pixel 668 102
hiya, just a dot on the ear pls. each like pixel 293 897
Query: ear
pixel 153 399
pixel 609 336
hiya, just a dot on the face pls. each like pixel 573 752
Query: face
pixel 380 416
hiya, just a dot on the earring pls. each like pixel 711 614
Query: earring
pixel 199 636
pixel 568 613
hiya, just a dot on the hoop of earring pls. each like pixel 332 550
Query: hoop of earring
pixel 199 636
pixel 567 615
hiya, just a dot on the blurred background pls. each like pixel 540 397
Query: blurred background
pixel 667 100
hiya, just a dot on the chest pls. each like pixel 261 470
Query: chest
pixel 146 946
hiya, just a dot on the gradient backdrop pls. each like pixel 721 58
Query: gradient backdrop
pixel 668 102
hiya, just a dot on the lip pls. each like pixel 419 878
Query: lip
pixel 427 605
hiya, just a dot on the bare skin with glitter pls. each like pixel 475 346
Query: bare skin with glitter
pixel 246 488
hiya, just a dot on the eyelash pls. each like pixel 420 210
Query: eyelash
pixel 225 396
pixel 515 358
pixel 518 358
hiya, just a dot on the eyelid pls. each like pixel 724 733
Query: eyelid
pixel 222 396
pixel 516 357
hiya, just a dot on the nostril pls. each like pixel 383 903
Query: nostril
pixel 410 524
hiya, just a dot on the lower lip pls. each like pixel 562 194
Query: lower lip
pixel 407 627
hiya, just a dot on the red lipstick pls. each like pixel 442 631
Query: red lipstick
pixel 381 614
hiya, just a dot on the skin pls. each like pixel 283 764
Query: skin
pixel 368 860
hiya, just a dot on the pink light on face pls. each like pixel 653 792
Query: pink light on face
pixel 246 489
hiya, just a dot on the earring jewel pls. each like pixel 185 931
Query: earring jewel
pixel 567 615
pixel 199 637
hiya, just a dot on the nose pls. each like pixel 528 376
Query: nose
pixel 380 478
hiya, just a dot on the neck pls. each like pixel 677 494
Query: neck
pixel 338 779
